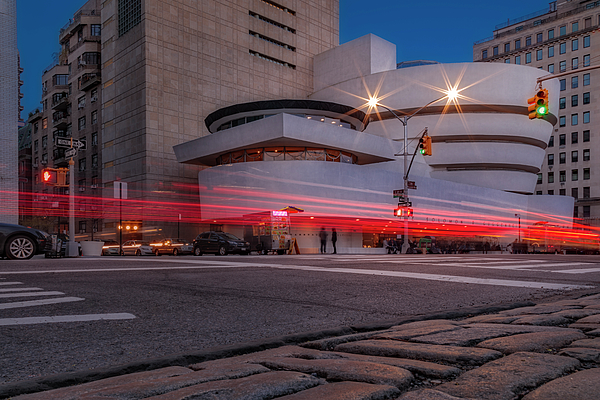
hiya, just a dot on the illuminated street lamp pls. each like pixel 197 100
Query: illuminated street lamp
pixel 451 95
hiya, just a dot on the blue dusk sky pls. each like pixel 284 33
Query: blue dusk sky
pixel 436 30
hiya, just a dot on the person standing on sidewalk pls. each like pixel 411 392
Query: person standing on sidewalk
pixel 323 237
pixel 334 239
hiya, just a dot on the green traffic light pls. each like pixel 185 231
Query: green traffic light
pixel 422 151
pixel 542 110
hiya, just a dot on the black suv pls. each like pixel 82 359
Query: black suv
pixel 220 243
pixel 19 242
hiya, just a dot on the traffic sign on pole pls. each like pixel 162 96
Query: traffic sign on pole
pixel 70 153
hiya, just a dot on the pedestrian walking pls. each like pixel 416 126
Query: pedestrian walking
pixel 323 237
pixel 334 239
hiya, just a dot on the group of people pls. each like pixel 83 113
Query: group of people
pixel 323 236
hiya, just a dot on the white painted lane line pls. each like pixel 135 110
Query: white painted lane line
pixel 19 289
pixel 577 271
pixel 64 318
pixel 32 294
pixel 10 283
pixel 34 303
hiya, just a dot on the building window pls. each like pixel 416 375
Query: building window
pixel 586 155
pixel 82 226
pixel 81 123
pixel 586 98
pixel 538 192
pixel 586 212
pixel 550 159
pixel 551 34
pixel 551 142
pixel 586 174
pixel 586 136
pixel 44 142
pixel 562 66
pixel 562 121
pixel 586 117
pixel 517 44
pixel 45 123
pixel 586 79
pixel 539 38
pixel 562 48
pixel 94 117
pixel 574 156
pixel 539 54
pixel 551 68
pixel 507 61
pixel 528 41
pixel 586 192
pixel 574 44
pixel 130 15
pixel 551 192
pixel 94 96
pixel 574 119
pixel 562 103
pixel 95 139
pixel 575 63
pixel 562 139
pixel 82 164
pixel 484 54
pixel 563 84
pixel 574 137
pixel 574 193
pixel 575 26
pixel 550 51
pixel 518 60
pixel 574 175
pixel 587 23
pixel 506 47
pixel 574 100
pixel 562 176
pixel 528 58
pixel 550 177
pixel 94 160
pixel 95 29
pixel 562 31
pixel 81 102
pixel 586 60
pixel 586 41
pixel 574 82
pixel 562 158
pixel 539 181
pixel 495 50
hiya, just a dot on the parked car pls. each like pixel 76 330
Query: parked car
pixel 220 243
pixel 111 248
pixel 137 248
pixel 172 246
pixel 19 242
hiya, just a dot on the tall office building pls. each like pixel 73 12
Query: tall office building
pixel 9 111
pixel 561 41
pixel 166 65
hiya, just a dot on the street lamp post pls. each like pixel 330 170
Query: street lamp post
pixel 373 102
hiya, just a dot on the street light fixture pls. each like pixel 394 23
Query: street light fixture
pixel 451 95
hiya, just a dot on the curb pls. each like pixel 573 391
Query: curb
pixel 214 353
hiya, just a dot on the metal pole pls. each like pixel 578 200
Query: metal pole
pixel 405 245
pixel 72 249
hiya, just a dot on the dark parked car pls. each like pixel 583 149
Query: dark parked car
pixel 172 246
pixel 220 243
pixel 19 242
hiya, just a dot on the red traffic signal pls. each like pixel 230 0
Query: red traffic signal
pixel 403 212
pixel 54 176
pixel 425 145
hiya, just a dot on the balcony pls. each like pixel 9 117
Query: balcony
pixel 60 120
pixel 89 80
pixel 60 102
pixel 83 17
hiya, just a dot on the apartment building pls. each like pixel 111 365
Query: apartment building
pixel 71 109
pixel 561 39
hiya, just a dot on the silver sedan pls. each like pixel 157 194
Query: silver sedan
pixel 137 248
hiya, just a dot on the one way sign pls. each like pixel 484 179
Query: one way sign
pixel 64 142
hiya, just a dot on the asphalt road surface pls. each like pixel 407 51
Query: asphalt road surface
pixel 62 315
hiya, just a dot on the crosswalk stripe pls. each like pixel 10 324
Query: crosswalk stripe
pixel 19 289
pixel 64 318
pixel 33 303
pixel 10 283
pixel 29 294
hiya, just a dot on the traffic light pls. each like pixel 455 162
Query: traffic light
pixel 538 104
pixel 403 212
pixel 425 145
pixel 54 176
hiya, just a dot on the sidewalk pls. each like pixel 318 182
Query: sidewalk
pixel 531 352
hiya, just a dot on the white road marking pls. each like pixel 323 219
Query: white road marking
pixel 64 318
pixel 210 264
pixel 577 271
pixel 33 303
pixel 32 294
pixel 10 283
pixel 19 289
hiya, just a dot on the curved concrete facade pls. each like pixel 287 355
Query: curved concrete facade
pixel 491 143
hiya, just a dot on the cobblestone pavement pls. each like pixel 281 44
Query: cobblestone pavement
pixel 545 351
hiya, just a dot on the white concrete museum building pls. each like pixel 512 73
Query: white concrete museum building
pixel 339 160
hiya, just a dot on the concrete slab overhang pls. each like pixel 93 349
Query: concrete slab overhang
pixel 285 130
